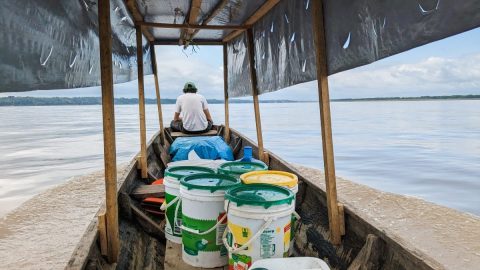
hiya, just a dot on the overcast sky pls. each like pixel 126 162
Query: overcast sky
pixel 447 67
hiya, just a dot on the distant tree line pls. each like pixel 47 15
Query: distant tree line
pixel 62 101
pixel 411 98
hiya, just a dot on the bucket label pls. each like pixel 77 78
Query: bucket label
pixel 287 236
pixel 267 243
pixel 240 234
pixel 239 262
pixel 170 214
pixel 193 243
pixel 221 229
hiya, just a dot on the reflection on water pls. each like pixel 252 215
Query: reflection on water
pixel 429 149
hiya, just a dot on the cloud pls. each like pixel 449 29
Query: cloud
pixel 176 67
pixel 430 76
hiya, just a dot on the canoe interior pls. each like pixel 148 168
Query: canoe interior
pixel 143 243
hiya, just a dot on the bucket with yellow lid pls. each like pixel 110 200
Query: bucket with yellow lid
pixel 277 178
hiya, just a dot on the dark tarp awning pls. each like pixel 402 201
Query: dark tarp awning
pixel 357 33
pixel 54 45
pixel 51 45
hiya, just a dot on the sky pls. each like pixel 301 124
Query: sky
pixel 447 67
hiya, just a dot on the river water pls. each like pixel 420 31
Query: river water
pixel 427 149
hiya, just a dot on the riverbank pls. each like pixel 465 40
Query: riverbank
pixel 43 232
pixel 71 101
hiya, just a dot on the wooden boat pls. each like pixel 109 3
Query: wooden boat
pixel 143 244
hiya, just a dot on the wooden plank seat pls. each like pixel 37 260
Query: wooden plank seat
pixel 145 191
pixel 173 259
pixel 177 134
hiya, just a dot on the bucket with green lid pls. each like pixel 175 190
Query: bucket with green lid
pixel 278 178
pixel 173 213
pixel 204 219
pixel 237 168
pixel 259 223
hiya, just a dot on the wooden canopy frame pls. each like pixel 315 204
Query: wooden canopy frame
pixel 189 30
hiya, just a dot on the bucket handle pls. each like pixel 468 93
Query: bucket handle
pixel 165 206
pixel 253 238
pixel 176 210
pixel 197 232
pixel 296 215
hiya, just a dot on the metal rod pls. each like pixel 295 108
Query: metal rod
pixel 192 26
pixel 141 105
pixel 327 140
pixel 256 107
pixel 109 147
pixel 157 92
pixel 225 93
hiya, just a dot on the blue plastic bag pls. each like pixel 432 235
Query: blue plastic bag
pixel 206 147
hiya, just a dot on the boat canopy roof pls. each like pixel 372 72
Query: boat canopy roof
pixel 54 44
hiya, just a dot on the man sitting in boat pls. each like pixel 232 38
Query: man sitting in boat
pixel 191 112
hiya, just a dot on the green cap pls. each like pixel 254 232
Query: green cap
pixel 181 171
pixel 236 168
pixel 209 181
pixel 189 85
pixel 259 194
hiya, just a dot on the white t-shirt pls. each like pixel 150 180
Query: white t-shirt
pixel 191 107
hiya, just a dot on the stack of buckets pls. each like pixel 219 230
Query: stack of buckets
pixel 237 216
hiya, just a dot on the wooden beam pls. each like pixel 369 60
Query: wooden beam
pixel 140 214
pixel 327 141
pixel 195 6
pixel 196 42
pixel 157 93
pixel 193 26
pixel 370 255
pixel 109 147
pixel 264 9
pixel 256 106
pixel 141 106
pixel 210 17
pixel 102 234
pixel 225 94
pixel 138 17
pixel 145 191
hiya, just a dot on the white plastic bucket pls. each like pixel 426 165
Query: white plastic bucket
pixel 204 219
pixel 278 178
pixel 297 263
pixel 257 229
pixel 173 211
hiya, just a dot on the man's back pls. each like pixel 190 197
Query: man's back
pixel 191 107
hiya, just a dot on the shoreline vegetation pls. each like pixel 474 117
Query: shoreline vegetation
pixel 65 101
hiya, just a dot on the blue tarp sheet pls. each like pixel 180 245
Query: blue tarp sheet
pixel 206 147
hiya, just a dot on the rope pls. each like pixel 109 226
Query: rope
pixel 165 206
pixel 253 238
pixel 197 232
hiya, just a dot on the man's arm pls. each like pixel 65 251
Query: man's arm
pixel 207 114
pixel 178 109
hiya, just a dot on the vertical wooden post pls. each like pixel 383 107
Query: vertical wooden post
pixel 157 91
pixel 327 142
pixel 256 107
pixel 141 105
pixel 109 148
pixel 225 94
